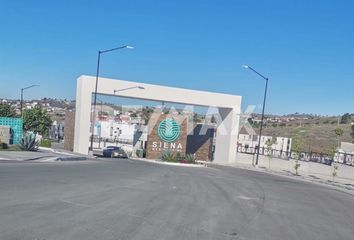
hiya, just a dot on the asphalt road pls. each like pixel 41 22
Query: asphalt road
pixel 127 199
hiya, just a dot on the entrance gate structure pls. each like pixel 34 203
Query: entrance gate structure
pixel 229 107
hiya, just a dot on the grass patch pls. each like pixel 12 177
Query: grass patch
pixel 45 143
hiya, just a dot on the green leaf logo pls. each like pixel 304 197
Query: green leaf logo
pixel 169 130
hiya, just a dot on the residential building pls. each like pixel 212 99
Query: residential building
pixel 248 143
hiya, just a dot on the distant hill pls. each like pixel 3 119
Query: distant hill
pixel 316 132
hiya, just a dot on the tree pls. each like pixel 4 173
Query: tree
pixel 269 143
pixel 196 118
pixel 345 119
pixel 146 114
pixel 296 147
pixel 333 151
pixel 37 120
pixel 133 115
pixel 339 132
pixel 7 110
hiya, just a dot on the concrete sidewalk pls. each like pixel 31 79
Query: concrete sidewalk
pixel 42 155
pixel 308 171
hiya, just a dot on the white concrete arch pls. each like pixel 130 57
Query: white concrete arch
pixel 228 105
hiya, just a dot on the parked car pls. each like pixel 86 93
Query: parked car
pixel 113 151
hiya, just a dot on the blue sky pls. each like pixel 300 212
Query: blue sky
pixel 306 48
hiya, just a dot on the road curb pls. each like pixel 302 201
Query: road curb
pixel 71 158
pixel 46 159
pixel 168 163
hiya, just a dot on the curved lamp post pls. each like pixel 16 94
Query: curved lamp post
pixel 124 89
pixel 95 97
pixel 22 89
pixel 264 102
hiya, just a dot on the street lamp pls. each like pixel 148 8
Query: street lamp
pixel 101 102
pixel 22 89
pixel 95 98
pixel 264 102
pixel 100 115
pixel 124 89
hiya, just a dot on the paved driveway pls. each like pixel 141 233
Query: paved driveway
pixel 127 199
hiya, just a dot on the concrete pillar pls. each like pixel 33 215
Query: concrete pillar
pixel 226 135
pixel 83 115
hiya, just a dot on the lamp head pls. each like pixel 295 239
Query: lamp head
pixel 245 66
pixel 129 47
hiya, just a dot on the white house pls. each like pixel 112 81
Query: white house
pixel 246 141
pixel 115 131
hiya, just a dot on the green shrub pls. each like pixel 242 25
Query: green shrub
pixel 190 158
pixel 179 157
pixel 3 145
pixel 168 156
pixel 45 143
pixel 29 142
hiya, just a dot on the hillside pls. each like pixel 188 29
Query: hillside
pixel 315 138
pixel 316 132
